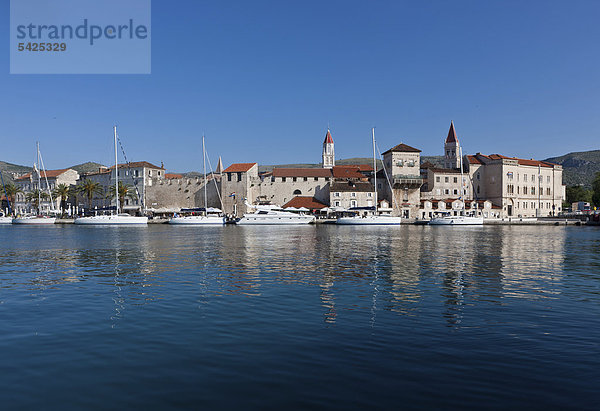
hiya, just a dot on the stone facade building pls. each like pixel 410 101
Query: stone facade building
pixel 522 188
pixel 49 181
pixel 139 176
pixel 399 181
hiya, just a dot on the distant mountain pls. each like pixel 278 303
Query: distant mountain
pixel 88 167
pixel 578 168
pixel 8 169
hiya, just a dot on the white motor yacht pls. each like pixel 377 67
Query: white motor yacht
pixel 273 215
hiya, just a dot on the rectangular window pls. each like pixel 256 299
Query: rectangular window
pixel 455 179
pixel 525 177
pixel 272 179
pixel 369 194
pixel 525 190
pixel 446 191
pixel 336 194
pixel 548 179
pixel 294 179
pixel 446 179
pixel 305 178
pixel 316 178
pixel 352 194
pixel 283 179
pixel 532 190
pixel 337 203
pixel 228 176
pixel 239 176
pixel 437 179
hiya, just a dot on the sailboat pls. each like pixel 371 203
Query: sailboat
pixel 39 218
pixel 373 219
pixel 463 218
pixel 113 219
pixel 211 216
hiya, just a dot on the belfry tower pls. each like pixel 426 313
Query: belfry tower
pixel 328 151
pixel 451 149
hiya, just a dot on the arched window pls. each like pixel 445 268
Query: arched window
pixel 297 192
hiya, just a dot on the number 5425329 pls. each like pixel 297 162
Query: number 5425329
pixel 42 47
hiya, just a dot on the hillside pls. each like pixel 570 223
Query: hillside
pixel 87 167
pixel 579 168
pixel 7 169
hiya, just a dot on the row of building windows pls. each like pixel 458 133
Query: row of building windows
pixel 447 191
pixel 533 205
pixel 510 177
pixel 447 179
pixel 510 189
pixel 295 179
pixel 336 194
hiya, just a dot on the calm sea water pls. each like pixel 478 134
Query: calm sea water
pixel 299 317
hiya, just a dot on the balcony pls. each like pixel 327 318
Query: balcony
pixel 407 181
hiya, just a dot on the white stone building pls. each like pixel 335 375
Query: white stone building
pixel 49 181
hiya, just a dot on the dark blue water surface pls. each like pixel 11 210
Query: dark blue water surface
pixel 299 317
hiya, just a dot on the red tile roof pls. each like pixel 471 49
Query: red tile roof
pixel 328 138
pixel 403 148
pixel 239 167
pixel 357 186
pixel 302 201
pixel 301 172
pixel 451 134
pixel 348 172
pixel 170 176
pixel 47 173
pixel 473 160
pixel 521 161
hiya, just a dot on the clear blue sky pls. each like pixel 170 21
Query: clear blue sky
pixel 264 79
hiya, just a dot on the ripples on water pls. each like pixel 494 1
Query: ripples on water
pixel 326 316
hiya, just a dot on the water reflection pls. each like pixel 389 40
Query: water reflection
pixel 365 269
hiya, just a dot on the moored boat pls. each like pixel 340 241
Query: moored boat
pixel 34 219
pixel 273 215
pixel 114 219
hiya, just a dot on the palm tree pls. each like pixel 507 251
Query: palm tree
pixel 33 198
pixel 89 188
pixel 125 191
pixel 11 192
pixel 63 191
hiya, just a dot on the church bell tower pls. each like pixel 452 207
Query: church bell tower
pixel 328 152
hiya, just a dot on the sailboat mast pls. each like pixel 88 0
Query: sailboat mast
pixel 116 173
pixel 462 184
pixel 37 144
pixel 374 170
pixel 204 171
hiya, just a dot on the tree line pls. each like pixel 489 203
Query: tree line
pixel 580 193
pixel 88 190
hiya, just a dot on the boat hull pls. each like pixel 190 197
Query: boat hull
pixel 112 220
pixel 251 219
pixel 369 220
pixel 197 220
pixel 34 220
pixel 6 220
pixel 459 220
